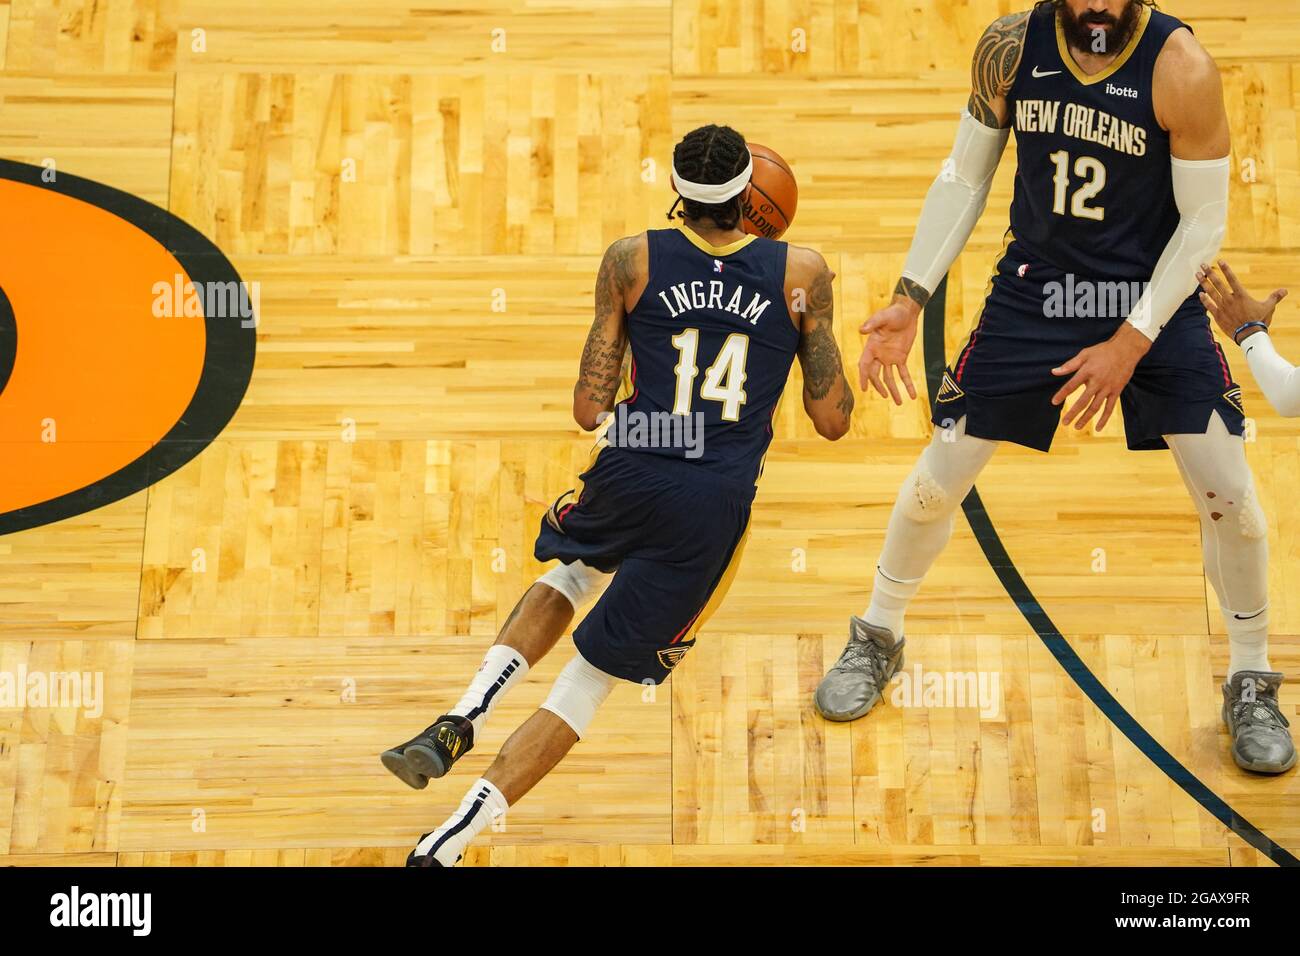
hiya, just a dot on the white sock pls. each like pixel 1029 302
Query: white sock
pixel 1247 641
pixel 482 804
pixel 889 600
pixel 502 668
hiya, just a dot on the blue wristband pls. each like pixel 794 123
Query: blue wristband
pixel 1236 336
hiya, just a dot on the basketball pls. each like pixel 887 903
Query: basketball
pixel 772 195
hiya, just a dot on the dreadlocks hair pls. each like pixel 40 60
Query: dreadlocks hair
pixel 711 154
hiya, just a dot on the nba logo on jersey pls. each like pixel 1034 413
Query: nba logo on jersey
pixel 717 265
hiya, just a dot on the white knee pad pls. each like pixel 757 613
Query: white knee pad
pixel 578 693
pixel 944 474
pixel 577 581
pixel 923 498
pixel 1253 523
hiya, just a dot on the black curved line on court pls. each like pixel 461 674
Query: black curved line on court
pixel 8 339
pixel 1018 591
pixel 227 363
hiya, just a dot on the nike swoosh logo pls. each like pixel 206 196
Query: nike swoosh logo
pixel 1039 75
pixel 1248 617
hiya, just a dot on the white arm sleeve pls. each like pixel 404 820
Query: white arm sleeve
pixel 955 201
pixel 1201 193
pixel 1278 379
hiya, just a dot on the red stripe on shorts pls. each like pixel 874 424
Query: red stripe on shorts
pixel 970 347
pixel 1223 363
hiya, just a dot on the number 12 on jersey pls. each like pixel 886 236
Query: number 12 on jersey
pixel 1085 167
pixel 724 380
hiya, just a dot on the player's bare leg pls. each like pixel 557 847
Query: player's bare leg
pixel 531 630
pixel 528 755
pixel 919 529
pixel 1234 539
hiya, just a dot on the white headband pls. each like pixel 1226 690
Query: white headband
pixel 714 193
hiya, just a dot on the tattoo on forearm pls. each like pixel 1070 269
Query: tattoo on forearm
pixel 603 355
pixel 845 405
pixel 819 355
pixel 913 290
pixel 993 68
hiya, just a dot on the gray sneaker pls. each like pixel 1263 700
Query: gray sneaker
pixel 855 683
pixel 1260 739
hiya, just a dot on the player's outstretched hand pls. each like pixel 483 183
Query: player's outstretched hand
pixel 1103 371
pixel 890 334
pixel 1231 305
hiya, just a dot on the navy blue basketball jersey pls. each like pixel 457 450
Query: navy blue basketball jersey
pixel 1093 191
pixel 712 341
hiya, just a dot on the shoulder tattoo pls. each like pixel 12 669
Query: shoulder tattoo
pixel 993 69
pixel 617 275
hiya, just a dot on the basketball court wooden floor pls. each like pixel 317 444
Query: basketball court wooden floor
pixel 422 193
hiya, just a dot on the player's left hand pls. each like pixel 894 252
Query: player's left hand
pixel 1231 305
pixel 1103 370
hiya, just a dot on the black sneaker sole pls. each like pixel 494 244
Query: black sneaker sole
pixel 426 761
pixel 396 764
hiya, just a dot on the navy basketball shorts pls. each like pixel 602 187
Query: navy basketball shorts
pixel 1036 318
pixel 671 532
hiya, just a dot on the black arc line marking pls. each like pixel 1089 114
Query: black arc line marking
pixel 228 361
pixel 8 340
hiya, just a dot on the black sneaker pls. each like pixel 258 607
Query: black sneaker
pixel 427 860
pixel 432 752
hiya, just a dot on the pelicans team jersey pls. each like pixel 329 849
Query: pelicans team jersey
pixel 665 504
pixel 1092 210
pixel 712 342
pixel 1093 190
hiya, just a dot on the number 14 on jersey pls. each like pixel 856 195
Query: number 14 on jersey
pixel 724 380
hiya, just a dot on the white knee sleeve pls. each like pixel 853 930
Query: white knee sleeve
pixel 577 582
pixel 1234 528
pixel 921 522
pixel 578 693
pixel 944 473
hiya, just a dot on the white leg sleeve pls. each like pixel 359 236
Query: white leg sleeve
pixel 578 693
pixel 1234 531
pixel 921 522
pixel 1234 537
pixel 577 582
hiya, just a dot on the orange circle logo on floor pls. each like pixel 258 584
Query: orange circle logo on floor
pixel 126 344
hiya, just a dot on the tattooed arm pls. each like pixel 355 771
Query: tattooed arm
pixel 952 207
pixel 827 397
pixel 620 281
pixel 993 69
pixel 957 197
